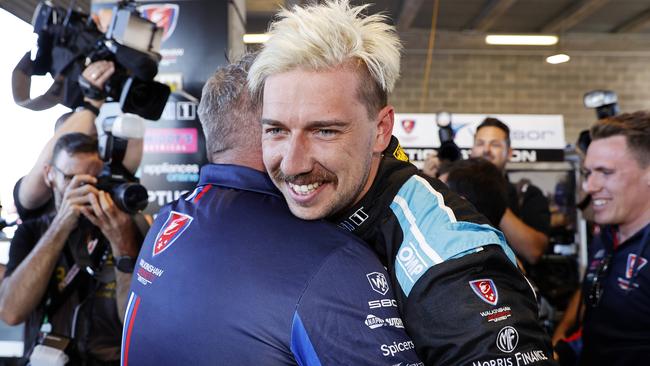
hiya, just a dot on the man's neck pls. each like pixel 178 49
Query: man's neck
pixel 625 231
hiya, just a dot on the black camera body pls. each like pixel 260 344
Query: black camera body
pixel 68 40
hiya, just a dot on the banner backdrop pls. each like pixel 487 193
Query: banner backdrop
pixel 534 137
pixel 194 44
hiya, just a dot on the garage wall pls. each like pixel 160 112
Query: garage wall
pixel 486 82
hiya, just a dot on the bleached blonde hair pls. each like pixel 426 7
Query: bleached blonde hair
pixel 326 36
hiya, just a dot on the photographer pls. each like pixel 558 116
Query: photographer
pixel 69 270
pixel 32 196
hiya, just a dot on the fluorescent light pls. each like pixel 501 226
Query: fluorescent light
pixel 256 38
pixel 520 40
pixel 558 59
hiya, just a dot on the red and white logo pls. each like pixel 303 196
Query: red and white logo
pixel 173 228
pixel 632 265
pixel 164 15
pixel 408 125
pixel 485 290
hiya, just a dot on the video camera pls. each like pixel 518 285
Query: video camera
pixel 449 151
pixel 68 40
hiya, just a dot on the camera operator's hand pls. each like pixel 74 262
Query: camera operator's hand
pixel 97 73
pixel 77 195
pixel 116 225
pixel 431 165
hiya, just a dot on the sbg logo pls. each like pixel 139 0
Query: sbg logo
pixel 378 282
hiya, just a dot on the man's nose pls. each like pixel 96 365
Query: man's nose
pixel 297 157
pixel 591 184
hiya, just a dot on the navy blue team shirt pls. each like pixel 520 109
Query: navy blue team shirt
pixel 227 275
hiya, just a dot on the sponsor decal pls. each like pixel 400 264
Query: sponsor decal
pixel 164 197
pixel 518 359
pixel 383 303
pixel 174 172
pixel 374 322
pixel 355 220
pixel 180 111
pixel 378 282
pixel 507 339
pixel 409 364
pixel 147 272
pixel 164 15
pixel 175 225
pixel 530 357
pixel 485 290
pixel 634 263
pixel 497 315
pixel 171 140
pixel 396 347
pixel 399 154
pixel 412 263
pixel 408 125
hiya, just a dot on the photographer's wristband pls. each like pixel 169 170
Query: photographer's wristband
pixel 89 107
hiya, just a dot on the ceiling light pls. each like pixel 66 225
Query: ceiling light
pixel 558 59
pixel 256 38
pixel 520 40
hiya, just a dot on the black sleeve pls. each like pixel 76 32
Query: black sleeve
pixel 26 213
pixel 534 210
pixel 484 313
pixel 25 238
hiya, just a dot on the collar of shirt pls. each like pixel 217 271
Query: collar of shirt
pixel 238 177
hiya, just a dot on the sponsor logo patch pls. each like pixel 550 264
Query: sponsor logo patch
pixel 374 322
pixel 634 263
pixel 164 15
pixel 497 315
pixel 396 347
pixel 507 339
pixel 147 272
pixel 408 125
pixel 378 282
pixel 485 290
pixel 175 225
pixel 383 303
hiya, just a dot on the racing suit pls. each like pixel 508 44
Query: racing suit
pixel 462 298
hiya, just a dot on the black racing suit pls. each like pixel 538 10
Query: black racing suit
pixel 462 298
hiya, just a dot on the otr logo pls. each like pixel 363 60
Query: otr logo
pixel 507 339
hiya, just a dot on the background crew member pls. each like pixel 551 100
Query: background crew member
pixel 616 289
pixel 324 76
pixel 526 221
pixel 228 276
pixel 57 270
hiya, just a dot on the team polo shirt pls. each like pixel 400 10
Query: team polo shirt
pixel 617 330
pixel 227 275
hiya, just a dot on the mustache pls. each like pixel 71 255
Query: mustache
pixel 318 174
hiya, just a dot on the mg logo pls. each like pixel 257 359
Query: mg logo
pixel 378 282
pixel 507 339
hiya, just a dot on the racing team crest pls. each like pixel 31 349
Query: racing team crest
pixel 408 125
pixel 485 290
pixel 173 228
pixel 164 15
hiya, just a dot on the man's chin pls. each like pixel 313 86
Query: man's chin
pixel 306 213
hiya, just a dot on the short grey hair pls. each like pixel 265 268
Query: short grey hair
pixel 229 116
pixel 327 36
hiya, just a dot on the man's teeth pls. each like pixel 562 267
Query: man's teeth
pixel 599 202
pixel 304 189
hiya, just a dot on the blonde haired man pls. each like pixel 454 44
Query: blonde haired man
pixel 324 76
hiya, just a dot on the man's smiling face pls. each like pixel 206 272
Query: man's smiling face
pixel 320 147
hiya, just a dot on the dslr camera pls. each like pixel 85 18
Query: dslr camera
pixel 68 40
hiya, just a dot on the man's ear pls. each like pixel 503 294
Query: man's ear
pixel 509 154
pixel 385 121
pixel 48 175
